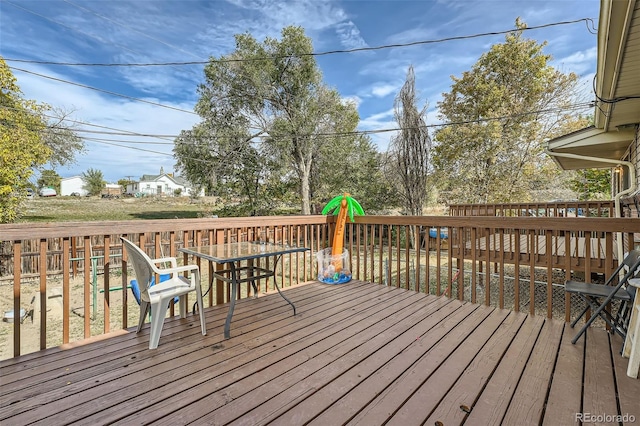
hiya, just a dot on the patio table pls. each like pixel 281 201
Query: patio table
pixel 232 255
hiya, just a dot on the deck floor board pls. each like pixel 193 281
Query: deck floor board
pixel 358 353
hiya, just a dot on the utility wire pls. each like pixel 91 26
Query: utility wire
pixel 102 90
pixel 84 123
pixel 95 139
pixel 588 21
pixel 613 100
pixel 337 134
pixel 119 132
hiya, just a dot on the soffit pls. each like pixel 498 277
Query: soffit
pixel 618 64
pixel 590 142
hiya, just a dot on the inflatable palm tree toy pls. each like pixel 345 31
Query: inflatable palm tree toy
pixel 343 206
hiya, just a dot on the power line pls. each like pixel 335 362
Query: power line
pixel 574 107
pixel 109 142
pixel 164 153
pixel 119 132
pixel 102 90
pixel 588 21
pixel 610 101
pixel 126 141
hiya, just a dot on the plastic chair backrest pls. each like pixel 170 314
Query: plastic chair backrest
pixel 141 266
pixel 136 290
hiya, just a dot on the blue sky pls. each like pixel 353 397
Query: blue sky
pixel 156 31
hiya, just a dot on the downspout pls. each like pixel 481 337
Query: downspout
pixel 614 163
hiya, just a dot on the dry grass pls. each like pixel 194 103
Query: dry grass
pixel 66 209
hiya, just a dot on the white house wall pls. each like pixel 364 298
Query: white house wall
pixel 73 184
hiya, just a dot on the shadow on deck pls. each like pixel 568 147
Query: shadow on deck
pixel 358 353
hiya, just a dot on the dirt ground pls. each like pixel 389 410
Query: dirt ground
pixel 30 327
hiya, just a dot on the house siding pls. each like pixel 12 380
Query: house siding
pixel 72 184
pixel 631 205
pixel 160 185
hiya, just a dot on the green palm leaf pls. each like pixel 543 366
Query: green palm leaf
pixel 332 205
pixel 354 207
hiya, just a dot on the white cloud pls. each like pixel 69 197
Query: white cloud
pixel 581 61
pixel 382 90
pixel 117 113
pixel 354 99
pixel 350 35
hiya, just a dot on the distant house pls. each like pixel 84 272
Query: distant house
pixel 72 184
pixel 164 184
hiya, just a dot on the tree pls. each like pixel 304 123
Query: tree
pixel 21 145
pixel 502 111
pixel 410 149
pixel 592 184
pixel 49 179
pixel 123 184
pixel 93 181
pixel 265 102
pixel 361 174
pixel 60 138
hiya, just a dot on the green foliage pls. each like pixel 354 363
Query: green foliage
pixel 511 101
pixel 123 184
pixel 353 207
pixel 21 145
pixel 266 124
pixel 592 184
pixel 361 174
pixel 49 179
pixel 93 181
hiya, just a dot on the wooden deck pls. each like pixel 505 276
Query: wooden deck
pixel 357 353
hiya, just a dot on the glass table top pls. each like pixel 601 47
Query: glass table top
pixel 233 252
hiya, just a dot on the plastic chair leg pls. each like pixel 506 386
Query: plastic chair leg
pixel 144 310
pixel 183 306
pixel 158 312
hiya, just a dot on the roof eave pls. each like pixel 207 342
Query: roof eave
pixel 613 28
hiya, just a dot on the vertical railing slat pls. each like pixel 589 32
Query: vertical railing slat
pixel 17 269
pixel 43 293
pixel 66 303
pixel 88 286
pixel 106 284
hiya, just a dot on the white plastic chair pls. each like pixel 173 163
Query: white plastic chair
pixel 631 347
pixel 158 296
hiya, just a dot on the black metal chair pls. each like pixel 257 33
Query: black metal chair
pixel 598 297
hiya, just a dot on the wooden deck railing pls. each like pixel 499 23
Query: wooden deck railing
pixel 38 262
pixel 550 209
pixel 516 263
